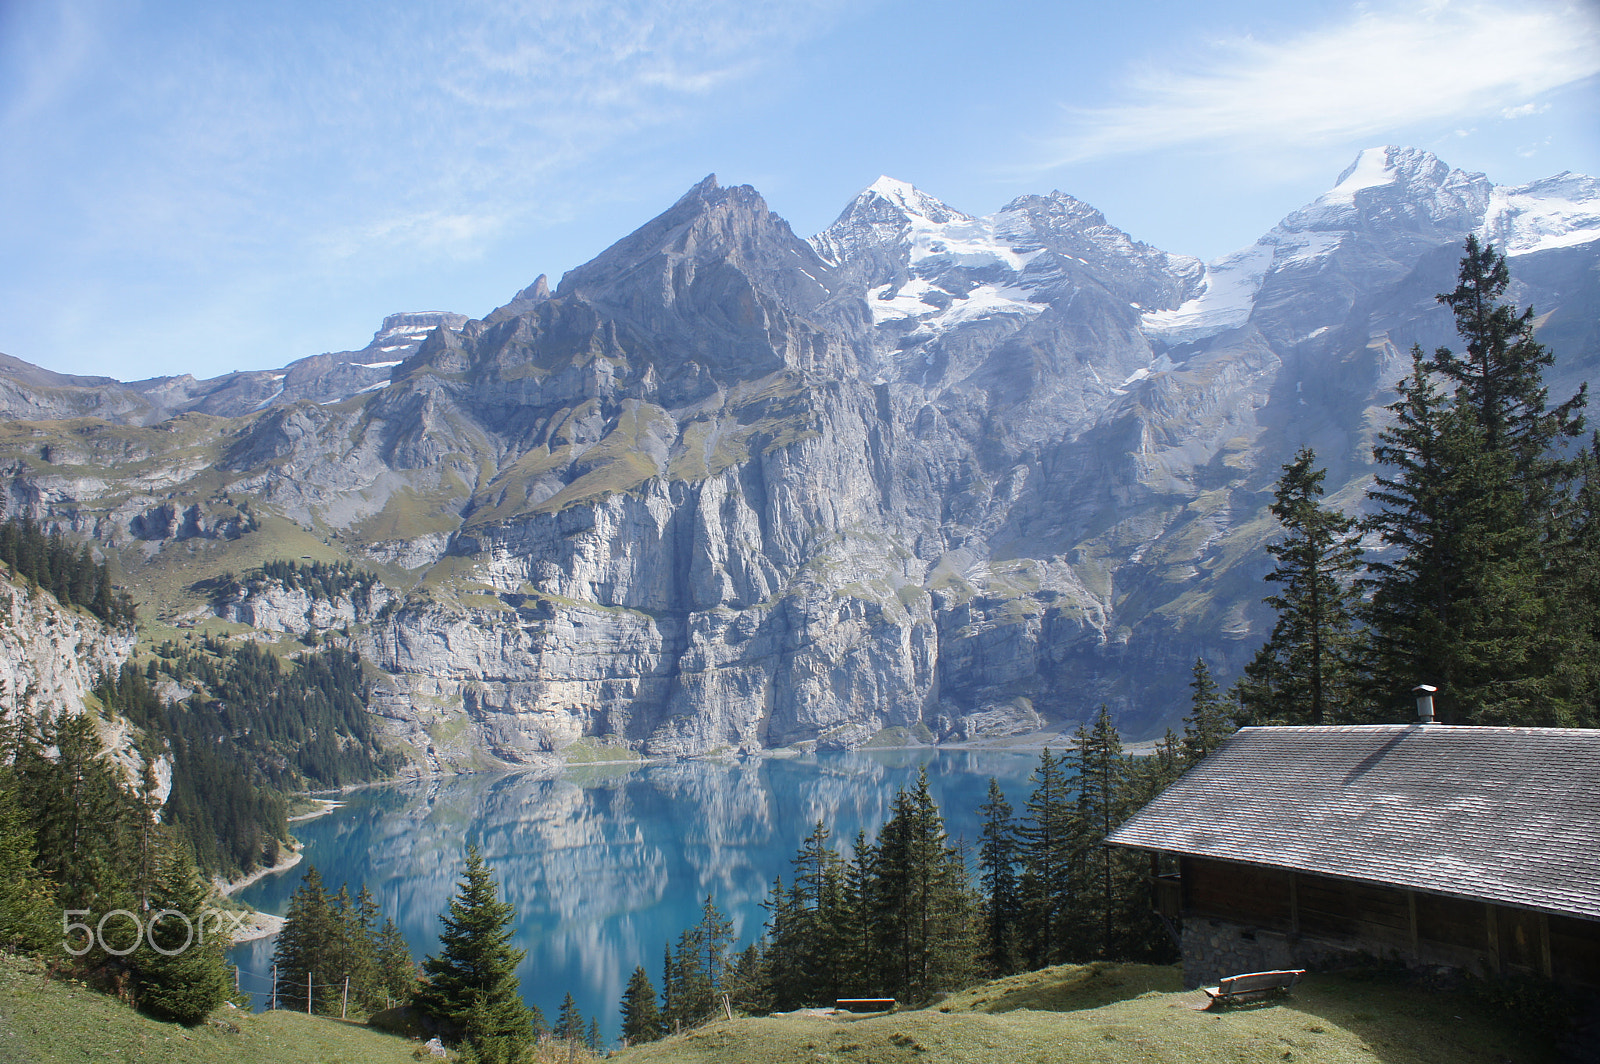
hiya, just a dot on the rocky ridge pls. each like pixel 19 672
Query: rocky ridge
pixel 728 489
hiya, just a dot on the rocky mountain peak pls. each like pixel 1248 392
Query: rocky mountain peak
pixel 904 197
pixel 536 292
pixel 1396 189
pixel 413 325
pixel 708 225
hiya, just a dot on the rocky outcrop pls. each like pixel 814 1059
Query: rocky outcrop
pixel 275 608
pixel 50 660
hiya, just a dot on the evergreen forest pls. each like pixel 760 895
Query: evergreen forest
pixel 256 729
pixel 69 573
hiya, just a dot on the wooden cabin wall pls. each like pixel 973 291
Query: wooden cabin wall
pixel 1388 921
pixel 1575 950
pixel 1244 893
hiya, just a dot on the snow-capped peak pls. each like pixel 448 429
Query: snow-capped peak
pixel 1411 185
pixel 907 198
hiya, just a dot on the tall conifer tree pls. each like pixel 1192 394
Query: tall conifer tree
pixel 1475 500
pixel 1207 724
pixel 1044 843
pixel 1306 671
pixel 641 1021
pixel 472 984
pixel 997 871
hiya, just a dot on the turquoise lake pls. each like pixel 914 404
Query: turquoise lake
pixel 607 864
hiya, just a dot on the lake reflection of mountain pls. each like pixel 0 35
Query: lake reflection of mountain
pixel 606 865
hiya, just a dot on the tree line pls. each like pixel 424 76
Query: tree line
pixel 90 874
pixel 69 573
pixel 320 580
pixel 1486 510
pixel 334 948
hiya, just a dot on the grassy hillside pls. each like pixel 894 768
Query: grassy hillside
pixel 1118 1014
pixel 43 1021
pixel 1101 1013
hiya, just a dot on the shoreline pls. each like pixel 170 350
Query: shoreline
pixel 328 806
pixel 228 888
pixel 257 925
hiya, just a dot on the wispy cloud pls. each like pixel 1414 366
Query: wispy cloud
pixel 1525 110
pixel 417 127
pixel 1378 71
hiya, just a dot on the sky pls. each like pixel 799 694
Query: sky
pixel 199 188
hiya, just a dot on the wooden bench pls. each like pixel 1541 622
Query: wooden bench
pixel 864 1004
pixel 1252 985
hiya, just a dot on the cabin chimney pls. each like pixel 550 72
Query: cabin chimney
pixel 1424 694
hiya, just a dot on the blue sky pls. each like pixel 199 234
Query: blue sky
pixel 201 187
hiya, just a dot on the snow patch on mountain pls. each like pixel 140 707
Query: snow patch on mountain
pixel 1371 169
pixel 927 231
pixel 937 310
pixel 912 200
pixel 1226 298
pixel 1557 212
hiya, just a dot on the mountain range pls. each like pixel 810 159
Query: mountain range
pixel 926 475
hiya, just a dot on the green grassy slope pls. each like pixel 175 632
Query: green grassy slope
pixel 1118 1014
pixel 43 1021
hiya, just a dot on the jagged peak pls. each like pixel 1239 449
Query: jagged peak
pixel 1058 204
pixel 537 292
pixel 700 188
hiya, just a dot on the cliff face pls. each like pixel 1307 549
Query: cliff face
pixel 50 660
pixel 725 488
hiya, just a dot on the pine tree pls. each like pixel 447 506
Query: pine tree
pixel 472 985
pixel 641 1021
pixel 569 1022
pixel 25 922
pixel 1102 806
pixel 1207 724
pixel 178 974
pixel 922 906
pixel 83 822
pixel 1500 379
pixel 1044 839
pixel 1475 502
pixel 594 1041
pixel 301 952
pixel 366 977
pixel 997 871
pixel 714 935
pixel 747 982
pixel 1305 672
pixel 397 971
pixel 1575 673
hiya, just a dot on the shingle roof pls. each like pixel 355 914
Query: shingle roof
pixel 1509 815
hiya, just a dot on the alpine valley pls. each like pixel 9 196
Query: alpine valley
pixel 926 476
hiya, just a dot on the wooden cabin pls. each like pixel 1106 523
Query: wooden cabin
pixel 1431 845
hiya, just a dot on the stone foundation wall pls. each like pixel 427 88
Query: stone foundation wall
pixel 1214 949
